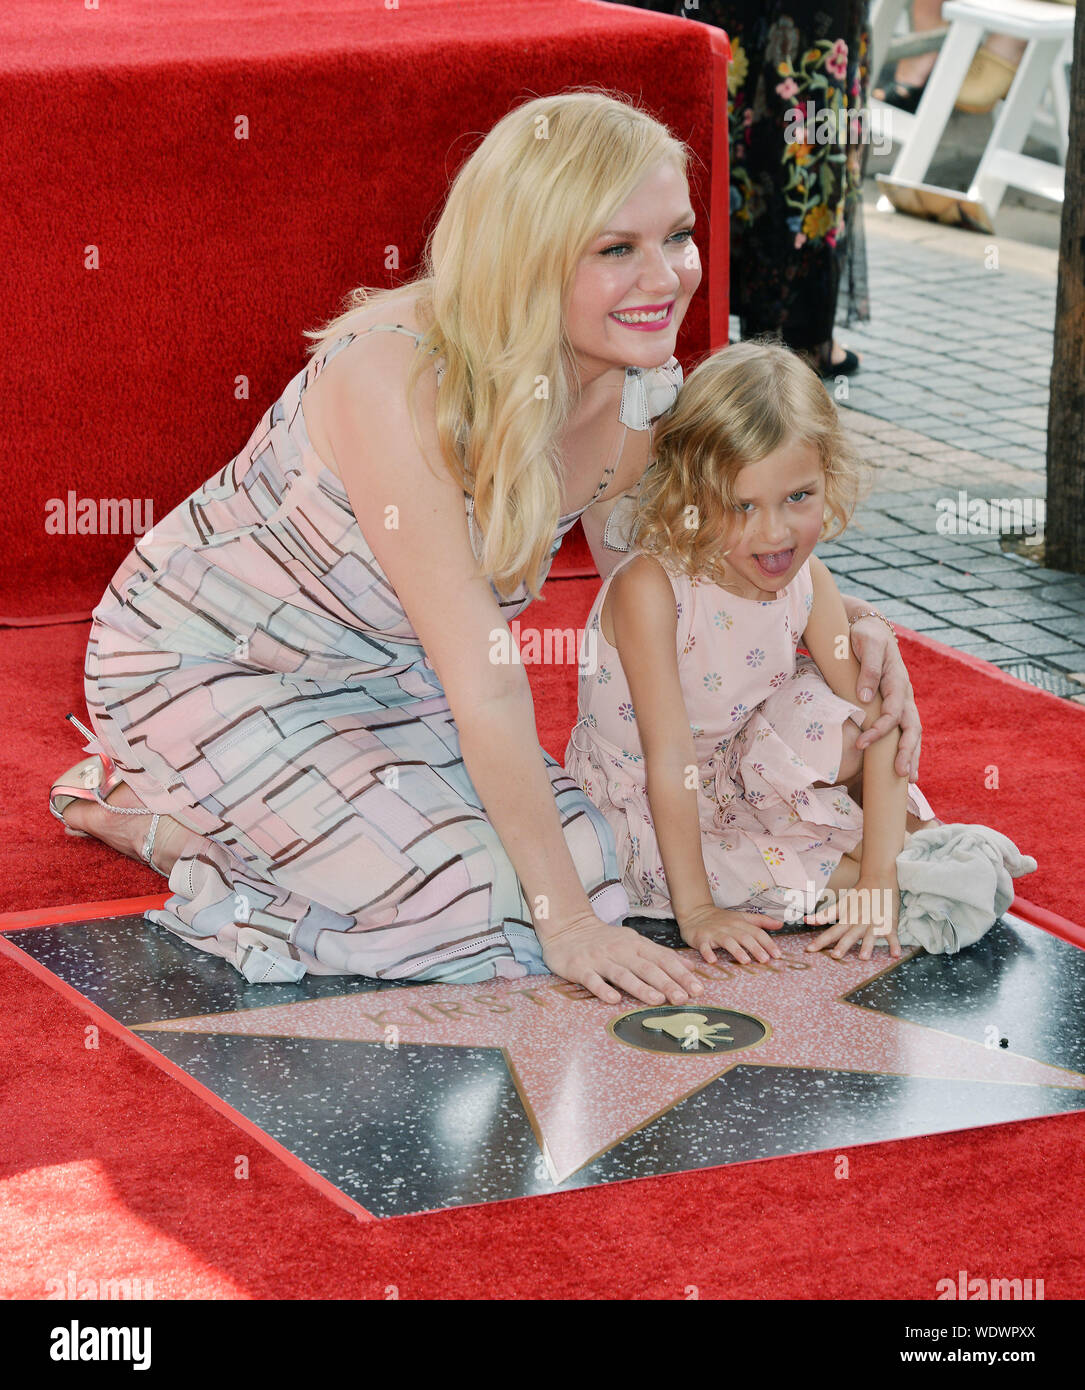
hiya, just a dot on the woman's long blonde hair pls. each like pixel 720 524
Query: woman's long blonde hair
pixel 736 407
pixel 496 275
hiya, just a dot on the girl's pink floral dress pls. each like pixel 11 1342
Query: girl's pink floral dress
pixel 765 726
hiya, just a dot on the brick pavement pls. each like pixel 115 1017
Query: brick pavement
pixel 952 396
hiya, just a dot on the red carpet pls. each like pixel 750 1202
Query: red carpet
pixel 111 1168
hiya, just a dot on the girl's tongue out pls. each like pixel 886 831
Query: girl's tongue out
pixel 777 563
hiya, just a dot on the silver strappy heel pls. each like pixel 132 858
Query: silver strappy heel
pixel 92 780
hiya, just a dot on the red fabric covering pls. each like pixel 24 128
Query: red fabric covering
pixel 975 719
pixel 110 1169
pixel 216 252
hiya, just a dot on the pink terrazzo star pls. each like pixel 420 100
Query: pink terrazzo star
pixel 585 1091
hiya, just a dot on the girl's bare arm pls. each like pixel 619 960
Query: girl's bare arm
pixel 644 618
pixel 885 792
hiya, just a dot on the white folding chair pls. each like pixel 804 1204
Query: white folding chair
pixel 1048 31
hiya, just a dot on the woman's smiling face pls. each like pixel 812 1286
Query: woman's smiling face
pixel 635 281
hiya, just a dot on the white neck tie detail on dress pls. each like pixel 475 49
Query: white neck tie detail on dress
pixel 648 392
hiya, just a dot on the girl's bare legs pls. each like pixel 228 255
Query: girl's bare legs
pixel 127 833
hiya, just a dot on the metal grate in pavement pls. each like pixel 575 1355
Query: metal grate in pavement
pixel 1042 676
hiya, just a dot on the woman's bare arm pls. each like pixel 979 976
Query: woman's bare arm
pixel 414 518
pixel 883 670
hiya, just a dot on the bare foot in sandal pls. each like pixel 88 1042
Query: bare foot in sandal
pixel 128 834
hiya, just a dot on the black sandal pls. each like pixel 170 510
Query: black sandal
pixel 822 362
pixel 848 367
pixel 903 96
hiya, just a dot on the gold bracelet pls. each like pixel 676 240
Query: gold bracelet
pixel 873 613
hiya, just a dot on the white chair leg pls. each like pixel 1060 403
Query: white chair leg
pixel 943 85
pixel 884 15
pixel 1012 126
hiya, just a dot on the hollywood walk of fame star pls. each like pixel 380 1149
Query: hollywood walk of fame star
pixel 585 1090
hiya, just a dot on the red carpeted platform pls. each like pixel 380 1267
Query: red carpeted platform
pixel 164 268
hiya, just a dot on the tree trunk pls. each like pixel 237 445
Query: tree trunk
pixel 1064 547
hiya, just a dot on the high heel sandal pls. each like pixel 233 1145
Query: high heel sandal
pixel 94 779
pixel 847 366
pixel 905 96
pixel 822 361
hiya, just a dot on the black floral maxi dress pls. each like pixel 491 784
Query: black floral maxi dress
pixel 797 248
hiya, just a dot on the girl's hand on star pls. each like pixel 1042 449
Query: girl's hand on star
pixel 869 912
pixel 741 933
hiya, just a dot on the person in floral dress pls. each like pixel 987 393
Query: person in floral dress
pixel 797 246
pixel 725 762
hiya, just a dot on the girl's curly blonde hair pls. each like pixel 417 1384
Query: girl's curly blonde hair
pixel 738 406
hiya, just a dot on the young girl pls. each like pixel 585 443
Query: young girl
pixel 726 763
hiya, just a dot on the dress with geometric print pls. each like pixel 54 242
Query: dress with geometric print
pixel 252 672
pixel 766 727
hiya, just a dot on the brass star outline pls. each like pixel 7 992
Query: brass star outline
pixel 584 1091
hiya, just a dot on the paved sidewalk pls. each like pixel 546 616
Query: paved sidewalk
pixel 952 397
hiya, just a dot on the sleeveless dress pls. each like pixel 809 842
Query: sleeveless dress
pixel 252 672
pixel 765 727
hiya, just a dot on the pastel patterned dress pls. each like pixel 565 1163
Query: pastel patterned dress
pixel 252 672
pixel 765 727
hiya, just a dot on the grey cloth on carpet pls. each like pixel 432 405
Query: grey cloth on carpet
pixel 955 882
